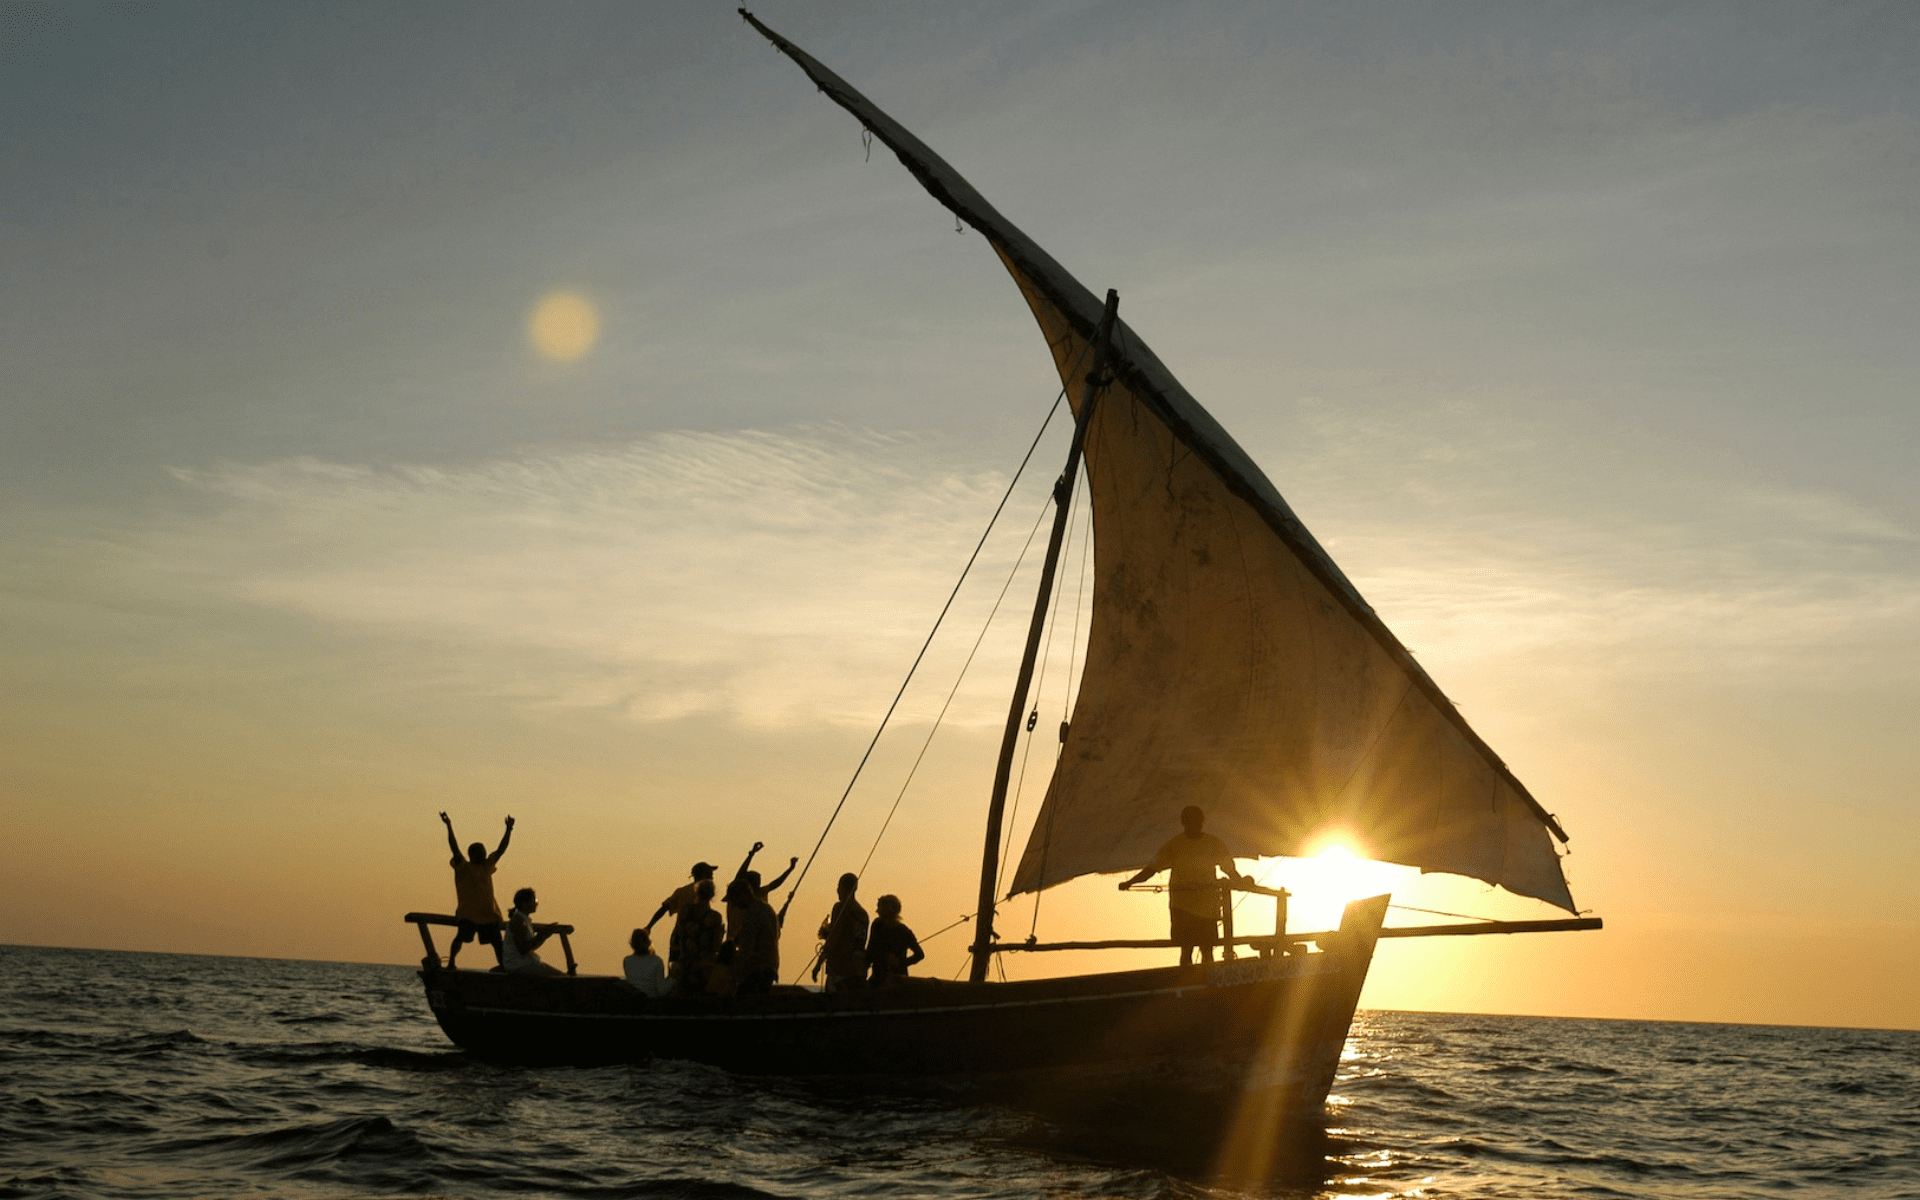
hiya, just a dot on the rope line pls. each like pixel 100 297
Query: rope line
pixel 1434 912
pixel 861 766
pixel 964 918
pixel 924 746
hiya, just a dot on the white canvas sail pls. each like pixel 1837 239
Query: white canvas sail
pixel 1230 663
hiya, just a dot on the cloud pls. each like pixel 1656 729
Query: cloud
pixel 785 579
pixel 1483 542
pixel 777 578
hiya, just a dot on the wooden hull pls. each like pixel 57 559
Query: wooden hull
pixel 1271 1024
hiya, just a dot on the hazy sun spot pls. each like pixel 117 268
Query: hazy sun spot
pixel 564 326
pixel 1337 872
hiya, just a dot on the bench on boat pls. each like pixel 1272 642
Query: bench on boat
pixel 432 962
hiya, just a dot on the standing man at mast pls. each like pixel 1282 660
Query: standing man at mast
pixel 1193 893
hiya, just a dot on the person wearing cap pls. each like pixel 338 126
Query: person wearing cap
pixel 694 949
pixel 682 896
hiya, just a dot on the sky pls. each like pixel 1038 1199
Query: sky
pixel 555 410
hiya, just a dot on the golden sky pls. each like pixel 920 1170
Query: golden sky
pixel 570 420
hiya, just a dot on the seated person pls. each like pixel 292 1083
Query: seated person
pixel 517 948
pixel 643 968
pixel 891 947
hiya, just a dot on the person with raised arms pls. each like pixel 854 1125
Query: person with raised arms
pixel 476 910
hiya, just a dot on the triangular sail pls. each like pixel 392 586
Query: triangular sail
pixel 1230 663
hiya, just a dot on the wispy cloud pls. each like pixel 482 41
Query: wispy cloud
pixel 772 577
pixel 1482 541
pixel 784 579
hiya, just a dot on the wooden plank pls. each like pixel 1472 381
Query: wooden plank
pixel 1252 939
pixel 425 919
pixel 432 960
pixel 1408 931
pixel 1480 927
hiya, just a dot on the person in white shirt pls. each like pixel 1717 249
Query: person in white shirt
pixel 644 970
pixel 517 948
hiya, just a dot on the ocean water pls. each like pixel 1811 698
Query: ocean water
pixel 155 1075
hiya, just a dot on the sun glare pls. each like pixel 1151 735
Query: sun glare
pixel 564 326
pixel 1335 873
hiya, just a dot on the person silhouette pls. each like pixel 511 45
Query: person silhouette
pixel 476 910
pixel 518 948
pixel 891 947
pixel 754 930
pixel 682 896
pixel 1193 892
pixel 693 950
pixel 845 933
pixel 643 969
pixel 736 891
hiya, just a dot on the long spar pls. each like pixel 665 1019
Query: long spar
pixel 1003 771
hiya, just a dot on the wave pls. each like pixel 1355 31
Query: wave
pixel 57 1181
pixel 145 1045
pixel 674 1189
pixel 115 1044
pixel 320 1053
pixel 295 1146
pixel 1583 1068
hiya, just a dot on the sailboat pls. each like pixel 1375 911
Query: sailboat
pixel 1229 664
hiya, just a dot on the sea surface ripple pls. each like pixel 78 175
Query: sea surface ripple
pixel 166 1076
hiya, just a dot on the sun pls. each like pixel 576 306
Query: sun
pixel 1334 872
pixel 564 326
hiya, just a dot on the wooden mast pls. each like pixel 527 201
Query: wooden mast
pixel 1003 772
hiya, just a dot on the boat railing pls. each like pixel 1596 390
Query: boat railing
pixel 432 962
pixel 1265 944
pixel 1282 942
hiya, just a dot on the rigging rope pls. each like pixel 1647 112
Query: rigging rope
pixel 1434 912
pixel 964 918
pixel 888 716
pixel 912 771
pixel 815 852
